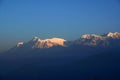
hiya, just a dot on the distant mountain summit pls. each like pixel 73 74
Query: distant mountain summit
pixel 108 35
pixel 47 43
pixel 113 35
pixel 99 40
pixel 39 43
pixel 20 44
pixel 86 40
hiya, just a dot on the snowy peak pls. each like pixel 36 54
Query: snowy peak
pixel 113 35
pixel 86 36
pixel 109 35
pixel 36 42
pixel 20 44
pixel 47 43
pixel 90 36
pixel 56 40
pixel 36 39
pixel 95 40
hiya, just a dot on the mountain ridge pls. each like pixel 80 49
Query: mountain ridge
pixel 86 39
pixel 94 56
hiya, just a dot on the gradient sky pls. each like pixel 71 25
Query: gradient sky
pixel 21 20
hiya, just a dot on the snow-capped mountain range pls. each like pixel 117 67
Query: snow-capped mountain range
pixel 86 39
pixel 39 43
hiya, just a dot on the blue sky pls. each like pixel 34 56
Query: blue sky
pixel 21 20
